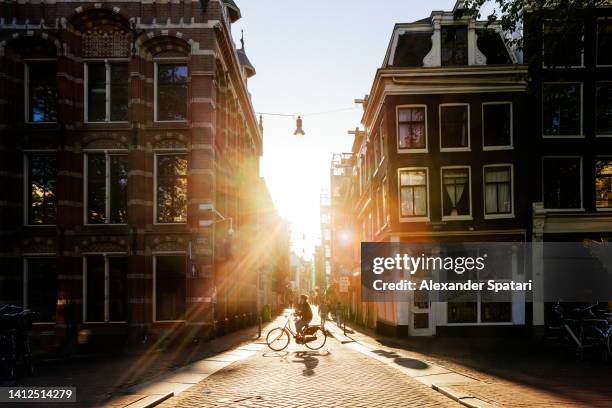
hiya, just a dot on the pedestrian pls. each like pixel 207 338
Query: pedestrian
pixel 323 311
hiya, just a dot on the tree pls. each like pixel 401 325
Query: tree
pixel 510 14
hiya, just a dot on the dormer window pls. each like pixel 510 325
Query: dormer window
pixel 454 45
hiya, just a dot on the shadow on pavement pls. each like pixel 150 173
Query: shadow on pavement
pixel 309 360
pixel 402 361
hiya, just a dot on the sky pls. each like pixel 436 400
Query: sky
pixel 311 57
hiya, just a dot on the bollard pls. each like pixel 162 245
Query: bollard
pixel 259 327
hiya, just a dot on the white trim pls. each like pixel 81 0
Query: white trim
pixel 469 187
pixel 106 256
pixel 169 61
pixel 597 41
pixel 399 196
pixel 107 65
pixel 484 194
pixel 397 133
pixel 169 152
pixel 26 89
pixel 581 208
pixel 502 147
pixel 107 198
pixel 155 255
pixel 469 136
pixel 579 136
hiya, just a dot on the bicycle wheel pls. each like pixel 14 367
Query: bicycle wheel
pixel 277 339
pixel 609 343
pixel 319 342
pixel 27 358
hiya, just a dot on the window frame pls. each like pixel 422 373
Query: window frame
pixel 399 196
pixel 486 147
pixel 106 256
pixel 609 82
pixel 382 135
pixel 579 136
pixel 397 132
pixel 544 66
pixel 484 194
pixel 154 302
pixel 597 42
pixel 169 61
pixel 442 192
pixel 167 152
pixel 469 130
pixel 26 89
pixel 601 209
pixel 26 186
pixel 26 257
pixel 107 201
pixel 578 209
pixel 107 87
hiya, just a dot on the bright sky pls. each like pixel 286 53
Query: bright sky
pixel 314 56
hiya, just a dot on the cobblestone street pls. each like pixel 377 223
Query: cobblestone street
pixel 334 376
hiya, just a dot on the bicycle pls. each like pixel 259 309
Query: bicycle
pixel 588 328
pixel 314 337
pixel 15 322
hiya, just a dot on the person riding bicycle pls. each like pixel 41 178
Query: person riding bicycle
pixel 304 314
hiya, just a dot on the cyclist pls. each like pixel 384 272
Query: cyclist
pixel 304 314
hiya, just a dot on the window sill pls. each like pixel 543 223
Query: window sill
pixel 169 321
pixel 414 219
pixel 40 225
pixel 564 209
pixel 458 218
pixel 169 223
pixel 498 216
pixel 562 136
pixel 494 148
pixel 603 209
pixel 105 225
pixel 604 136
pixel 404 151
pixel 455 149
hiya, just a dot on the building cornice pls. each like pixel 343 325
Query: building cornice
pixel 441 80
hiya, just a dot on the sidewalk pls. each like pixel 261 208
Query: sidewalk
pixel 502 373
pixel 100 377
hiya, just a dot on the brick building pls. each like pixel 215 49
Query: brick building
pixel 129 168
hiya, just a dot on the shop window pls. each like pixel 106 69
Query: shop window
pixel 562 182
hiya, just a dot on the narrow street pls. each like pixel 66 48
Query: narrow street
pixel 334 376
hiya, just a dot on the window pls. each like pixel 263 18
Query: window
pixel 41 182
pixel 107 92
pixel 563 44
pixel 455 127
pixel 379 210
pixel 40 278
pixel 562 109
pixel 496 125
pixel 106 188
pixel 498 194
pixel 603 183
pixel 604 42
pixel 382 136
pixel 169 288
pixel 105 289
pixel 11 281
pixel 454 44
pixel 456 194
pixel 411 128
pixel 413 194
pixel 604 108
pixel 377 153
pixel 171 92
pixel 562 182
pixel 171 186
pixel 384 202
pixel 41 91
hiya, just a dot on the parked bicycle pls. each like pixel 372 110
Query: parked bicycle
pixel 278 339
pixel 15 323
pixel 583 329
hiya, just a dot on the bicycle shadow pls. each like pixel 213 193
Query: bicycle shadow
pixel 309 359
